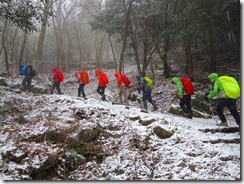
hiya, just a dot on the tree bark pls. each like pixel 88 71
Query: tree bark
pixel 127 16
pixel 22 49
pixel 211 53
pixel 164 57
pixel 5 47
pixel 188 57
pixel 41 38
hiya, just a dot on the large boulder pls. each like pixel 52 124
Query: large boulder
pixel 162 133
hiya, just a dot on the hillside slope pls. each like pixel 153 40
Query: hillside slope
pixel 55 137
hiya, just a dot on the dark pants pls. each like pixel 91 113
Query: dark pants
pixel 185 104
pixel 147 96
pixel 57 86
pixel 81 90
pixel 27 83
pixel 101 90
pixel 231 105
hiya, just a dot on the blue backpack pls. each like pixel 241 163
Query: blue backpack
pixel 23 70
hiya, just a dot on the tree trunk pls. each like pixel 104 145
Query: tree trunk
pixel 188 57
pixel 127 16
pixel 137 56
pixel 22 49
pixel 111 45
pixel 211 53
pixel 4 47
pixel 39 50
pixel 145 60
pixel 188 54
pixel 164 57
pixel 80 50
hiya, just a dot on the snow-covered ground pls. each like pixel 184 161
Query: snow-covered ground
pixel 197 150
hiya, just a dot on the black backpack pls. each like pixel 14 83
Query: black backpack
pixel 33 73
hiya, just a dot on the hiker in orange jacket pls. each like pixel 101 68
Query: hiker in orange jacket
pixel 122 88
pixel 82 79
pixel 102 83
pixel 56 82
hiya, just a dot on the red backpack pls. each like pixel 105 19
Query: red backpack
pixel 104 78
pixel 60 76
pixel 84 77
pixel 187 85
pixel 125 80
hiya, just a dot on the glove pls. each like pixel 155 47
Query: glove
pixel 179 96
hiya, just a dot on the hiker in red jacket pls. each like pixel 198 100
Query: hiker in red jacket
pixel 82 79
pixel 122 88
pixel 56 81
pixel 102 83
pixel 185 99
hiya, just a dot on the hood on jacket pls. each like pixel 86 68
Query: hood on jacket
pixel 213 77
pixel 54 69
pixel 98 71
pixel 116 74
pixel 175 80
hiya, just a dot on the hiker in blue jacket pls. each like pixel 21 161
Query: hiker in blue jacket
pixel 28 73
pixel 185 99
pixel 230 103
pixel 146 92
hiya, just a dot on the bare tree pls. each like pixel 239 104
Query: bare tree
pixel 4 33
pixel 127 16
pixel 38 54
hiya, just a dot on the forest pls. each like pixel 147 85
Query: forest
pixel 71 34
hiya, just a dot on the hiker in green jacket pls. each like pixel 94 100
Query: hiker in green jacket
pixel 185 99
pixel 218 91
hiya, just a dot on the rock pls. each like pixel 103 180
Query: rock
pixel 14 155
pixel 146 121
pixel 162 133
pixel 39 90
pixel 2 82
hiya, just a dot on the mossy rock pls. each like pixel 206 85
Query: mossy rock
pixel 177 111
pixel 162 133
pixel 2 82
pixel 146 122
pixel 200 103
pixel 5 109
pixel 38 90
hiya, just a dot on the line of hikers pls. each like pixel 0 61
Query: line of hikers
pixel 225 88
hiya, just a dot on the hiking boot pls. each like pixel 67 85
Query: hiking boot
pixel 145 105
pixel 154 106
pixel 222 124
pixel 187 115
pixel 103 98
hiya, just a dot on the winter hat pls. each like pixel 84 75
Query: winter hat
pixel 175 80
